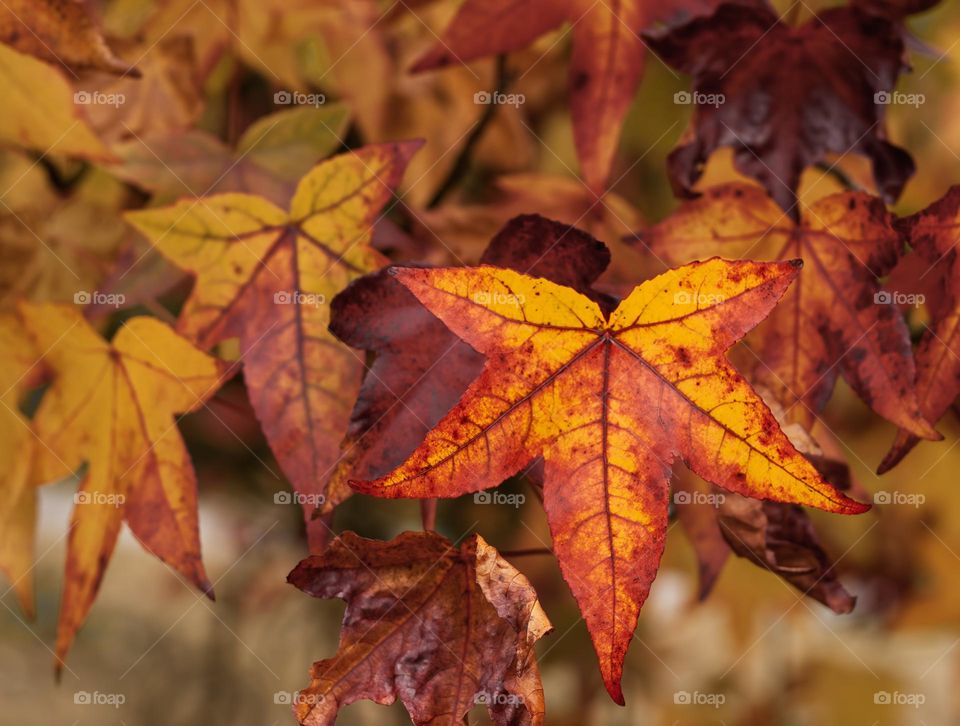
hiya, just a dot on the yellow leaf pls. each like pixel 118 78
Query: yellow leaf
pixel 111 406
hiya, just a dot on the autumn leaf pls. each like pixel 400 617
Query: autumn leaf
pixel 832 322
pixel 932 233
pixel 609 401
pixel 111 407
pixel 421 368
pixel 271 156
pixel 606 64
pixel 58 31
pixel 17 495
pixel 767 89
pixel 266 276
pixel 39 112
pixel 441 627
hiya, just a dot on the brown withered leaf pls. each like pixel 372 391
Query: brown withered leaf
pixel 58 31
pixel 784 97
pixel 421 368
pixel 834 320
pixel 776 536
pixel 165 98
pixel 932 233
pixel 441 627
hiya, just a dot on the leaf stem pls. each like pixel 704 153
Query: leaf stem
pixel 462 163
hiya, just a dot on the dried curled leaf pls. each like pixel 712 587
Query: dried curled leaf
pixel 609 401
pixel 441 627
pixel 267 276
pixel 935 270
pixel 784 97
pixel 834 321
pixel 111 406
pixel 58 31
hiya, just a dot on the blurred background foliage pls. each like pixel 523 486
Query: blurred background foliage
pixel 776 658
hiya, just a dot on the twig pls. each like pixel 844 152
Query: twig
pixel 462 163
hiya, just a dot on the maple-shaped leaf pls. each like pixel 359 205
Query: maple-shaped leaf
pixel 442 627
pixel 111 406
pixel 834 320
pixel 421 368
pixel 267 276
pixel 932 233
pixel 58 31
pixel 609 401
pixel 606 64
pixel 17 442
pixel 784 97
